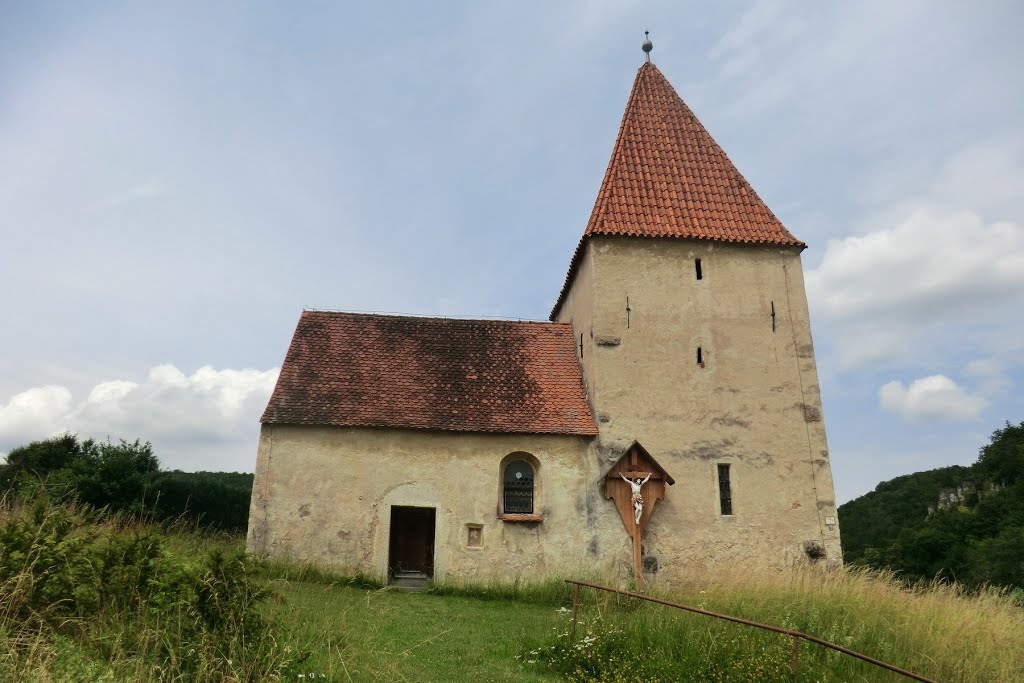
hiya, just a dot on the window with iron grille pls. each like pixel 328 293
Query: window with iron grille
pixel 724 489
pixel 518 479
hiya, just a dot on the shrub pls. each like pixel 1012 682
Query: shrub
pixel 65 572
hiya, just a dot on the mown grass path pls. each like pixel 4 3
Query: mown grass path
pixel 372 635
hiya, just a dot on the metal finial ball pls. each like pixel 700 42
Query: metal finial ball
pixel 648 45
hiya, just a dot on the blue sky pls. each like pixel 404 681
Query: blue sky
pixel 178 180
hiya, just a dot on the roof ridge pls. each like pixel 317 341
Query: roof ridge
pixel 425 316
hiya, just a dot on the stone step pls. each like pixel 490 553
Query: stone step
pixel 409 582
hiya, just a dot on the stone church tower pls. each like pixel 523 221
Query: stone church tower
pixel 686 299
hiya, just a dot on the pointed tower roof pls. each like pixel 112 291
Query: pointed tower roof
pixel 667 177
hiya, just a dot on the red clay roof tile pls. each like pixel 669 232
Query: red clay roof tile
pixel 367 370
pixel 667 177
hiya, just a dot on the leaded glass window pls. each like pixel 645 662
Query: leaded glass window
pixel 518 479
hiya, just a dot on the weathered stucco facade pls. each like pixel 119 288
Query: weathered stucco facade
pixel 683 326
pixel 324 494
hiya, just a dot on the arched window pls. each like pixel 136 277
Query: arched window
pixel 518 488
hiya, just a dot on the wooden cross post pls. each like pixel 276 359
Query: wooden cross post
pixel 636 464
pixel 638 551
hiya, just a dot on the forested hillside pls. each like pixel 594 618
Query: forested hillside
pixel 957 523
pixel 126 477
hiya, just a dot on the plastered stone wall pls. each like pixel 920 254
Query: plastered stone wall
pixel 324 494
pixel 755 405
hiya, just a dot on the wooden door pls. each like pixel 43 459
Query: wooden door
pixel 411 548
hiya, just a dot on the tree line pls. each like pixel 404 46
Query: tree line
pixel 125 477
pixel 963 524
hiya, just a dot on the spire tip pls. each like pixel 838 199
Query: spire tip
pixel 648 45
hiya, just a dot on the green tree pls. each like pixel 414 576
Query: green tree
pixel 126 477
pixel 40 458
pixel 1000 560
pixel 1003 458
pixel 118 476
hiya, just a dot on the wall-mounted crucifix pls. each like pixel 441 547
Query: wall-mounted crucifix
pixel 636 482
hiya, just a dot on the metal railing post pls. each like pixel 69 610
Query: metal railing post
pixel 575 607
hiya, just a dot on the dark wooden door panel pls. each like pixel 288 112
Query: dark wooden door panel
pixel 411 547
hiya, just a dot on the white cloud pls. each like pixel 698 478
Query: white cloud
pixel 207 420
pixel 895 290
pixel 931 399
pixel 35 413
pixel 110 392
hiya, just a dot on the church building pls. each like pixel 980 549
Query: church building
pixel 666 419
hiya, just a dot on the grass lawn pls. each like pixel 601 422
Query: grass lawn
pixel 359 634
pixel 372 635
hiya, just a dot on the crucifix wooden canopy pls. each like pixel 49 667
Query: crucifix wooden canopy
pixel 636 463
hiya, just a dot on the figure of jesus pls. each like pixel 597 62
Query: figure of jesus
pixel 638 500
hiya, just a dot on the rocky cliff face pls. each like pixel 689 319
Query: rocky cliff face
pixel 967 493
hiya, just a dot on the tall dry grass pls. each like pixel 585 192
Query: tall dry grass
pixel 937 627
pixel 937 630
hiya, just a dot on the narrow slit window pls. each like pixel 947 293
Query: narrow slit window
pixel 724 489
pixel 700 356
pixel 696 266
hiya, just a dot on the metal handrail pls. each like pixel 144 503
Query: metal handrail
pixel 797 636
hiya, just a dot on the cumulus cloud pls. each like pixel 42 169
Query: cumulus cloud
pixel 901 287
pixel 37 411
pixel 206 420
pixel 931 399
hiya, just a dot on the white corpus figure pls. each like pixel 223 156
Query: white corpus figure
pixel 638 500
